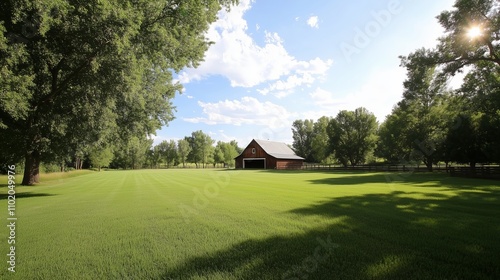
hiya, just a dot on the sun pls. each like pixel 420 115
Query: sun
pixel 474 32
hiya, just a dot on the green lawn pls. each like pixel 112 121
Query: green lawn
pixel 216 224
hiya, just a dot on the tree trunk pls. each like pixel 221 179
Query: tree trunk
pixel 31 169
pixel 429 165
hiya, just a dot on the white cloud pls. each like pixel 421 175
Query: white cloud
pixel 247 111
pixel 313 22
pixel 377 94
pixel 236 56
pixel 304 74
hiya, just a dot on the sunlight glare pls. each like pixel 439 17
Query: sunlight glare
pixel 474 32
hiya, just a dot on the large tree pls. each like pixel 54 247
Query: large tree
pixel 168 152
pixel 423 108
pixel 101 156
pixel 353 135
pixel 132 153
pixel 471 38
pixel 475 134
pixel 302 132
pixel 472 35
pixel 320 140
pixel 201 148
pixel 391 144
pixel 226 152
pixel 183 150
pixel 64 62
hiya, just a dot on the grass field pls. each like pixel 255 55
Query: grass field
pixel 216 224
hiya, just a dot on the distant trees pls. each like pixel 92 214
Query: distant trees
pixel 198 148
pixel 183 150
pixel 353 136
pixel 101 156
pixel 201 148
pixel 302 133
pixel 320 143
pixel 350 137
pixel 168 152
pixel 226 152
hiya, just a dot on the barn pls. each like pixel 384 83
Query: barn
pixel 262 154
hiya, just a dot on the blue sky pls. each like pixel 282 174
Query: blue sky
pixel 277 61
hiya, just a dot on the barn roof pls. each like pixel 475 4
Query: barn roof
pixel 277 149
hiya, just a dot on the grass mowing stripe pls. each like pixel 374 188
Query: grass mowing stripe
pixel 257 225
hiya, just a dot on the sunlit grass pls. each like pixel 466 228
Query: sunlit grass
pixel 216 224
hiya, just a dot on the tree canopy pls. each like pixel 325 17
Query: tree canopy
pixel 78 72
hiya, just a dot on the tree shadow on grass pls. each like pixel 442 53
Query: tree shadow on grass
pixel 4 196
pixel 420 179
pixel 373 236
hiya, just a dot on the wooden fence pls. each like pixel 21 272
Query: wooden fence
pixel 484 172
pixel 373 168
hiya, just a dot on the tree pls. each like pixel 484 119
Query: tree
pixel 63 62
pixel 226 152
pixel 201 148
pixel 101 156
pixel 231 151
pixel 168 151
pixel 219 152
pixel 464 143
pixel 391 144
pixel 320 140
pixel 302 131
pixel 353 135
pixel 132 153
pixel 423 106
pixel 472 36
pixel 474 136
pixel 472 31
pixel 153 157
pixel 183 150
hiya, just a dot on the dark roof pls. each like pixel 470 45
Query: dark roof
pixel 277 149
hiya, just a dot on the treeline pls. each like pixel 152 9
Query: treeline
pixel 431 124
pixel 198 149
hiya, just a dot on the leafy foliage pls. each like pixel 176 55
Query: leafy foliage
pixel 302 131
pixel 74 73
pixel 353 135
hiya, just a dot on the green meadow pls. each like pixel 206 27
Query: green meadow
pixel 226 224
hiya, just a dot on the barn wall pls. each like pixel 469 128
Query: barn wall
pixel 289 164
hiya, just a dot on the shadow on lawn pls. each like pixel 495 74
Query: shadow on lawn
pixel 377 236
pixel 4 196
pixel 422 179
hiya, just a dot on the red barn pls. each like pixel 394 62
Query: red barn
pixel 263 154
